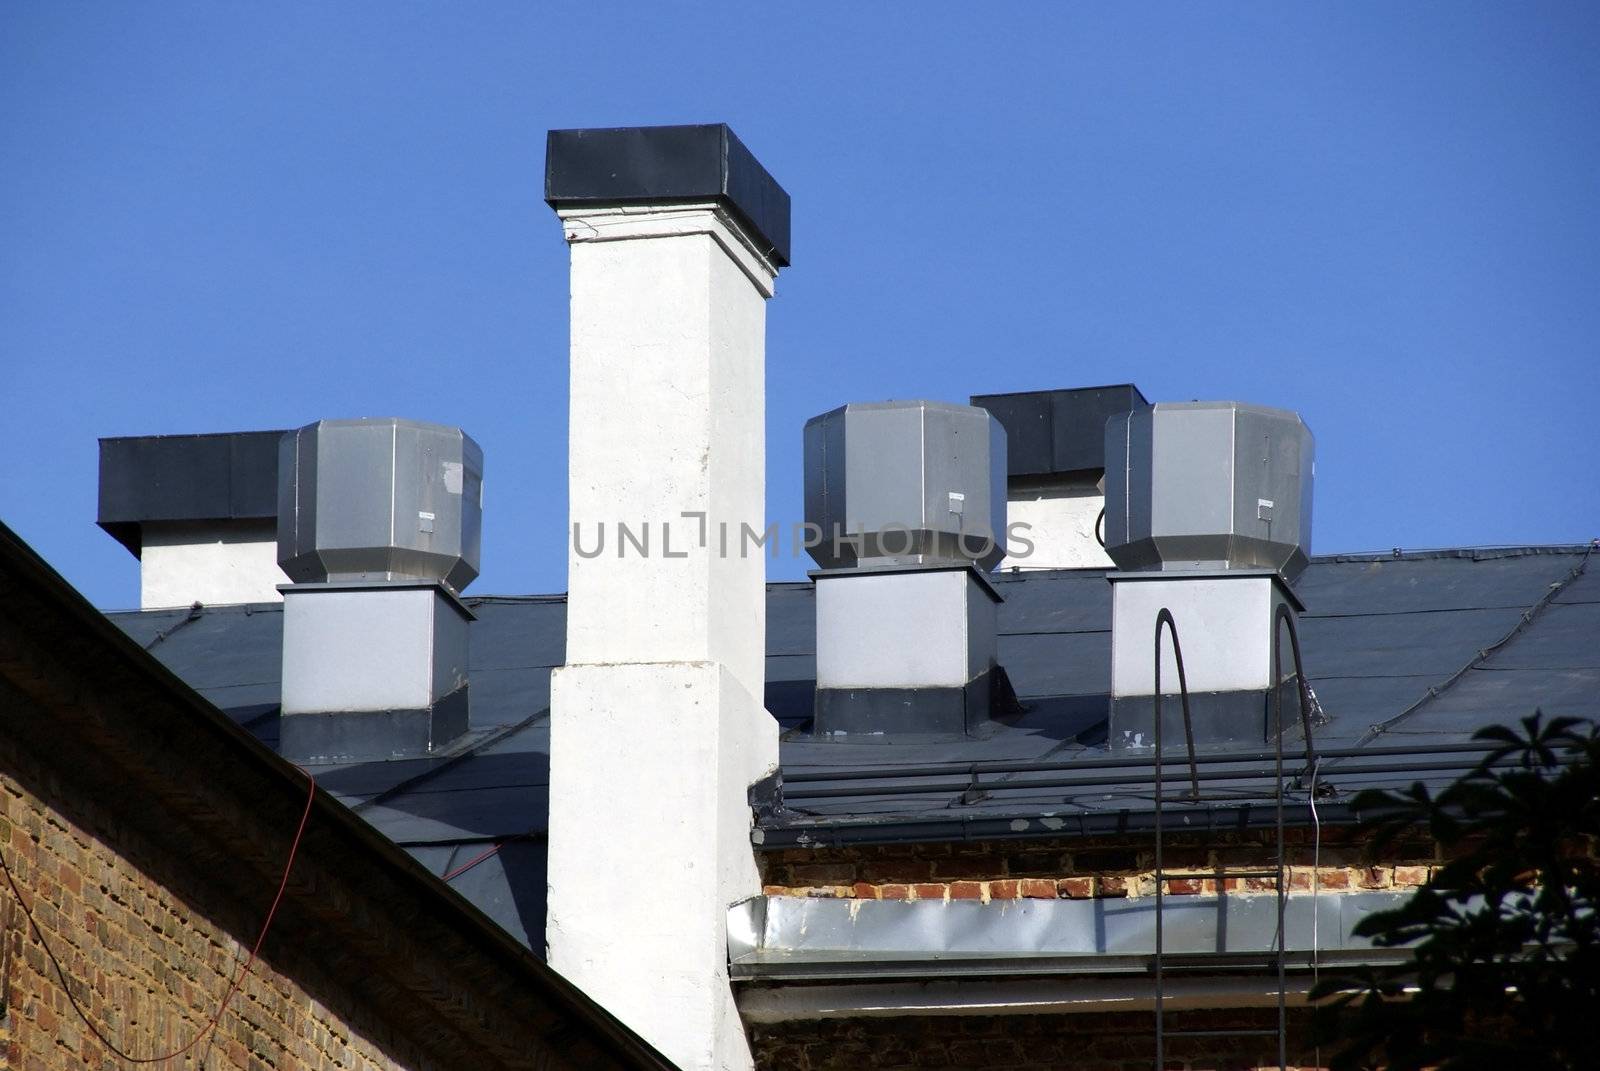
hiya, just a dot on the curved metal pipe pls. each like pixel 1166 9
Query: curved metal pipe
pixel 1284 617
pixel 1164 617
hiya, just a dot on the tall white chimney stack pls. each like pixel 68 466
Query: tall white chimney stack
pixel 657 723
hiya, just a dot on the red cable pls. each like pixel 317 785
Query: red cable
pixel 474 861
pixel 238 978
pixel 485 854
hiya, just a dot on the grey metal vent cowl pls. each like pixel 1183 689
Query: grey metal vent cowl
pixel 906 483
pixel 380 499
pixel 1209 485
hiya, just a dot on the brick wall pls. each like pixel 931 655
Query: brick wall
pixel 1084 868
pixel 150 833
pixel 150 945
pixel 1121 1041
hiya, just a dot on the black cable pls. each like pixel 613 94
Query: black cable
pixel 194 615
pixel 1070 765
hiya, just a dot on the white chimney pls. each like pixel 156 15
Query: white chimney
pixel 658 728
pixel 198 511
pixel 1056 464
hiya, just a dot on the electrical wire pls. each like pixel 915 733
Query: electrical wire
pixel 485 855
pixel 474 861
pixel 194 615
pixel 238 978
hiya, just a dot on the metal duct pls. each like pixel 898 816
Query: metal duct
pixel 378 524
pixel 1208 513
pixel 380 499
pixel 1209 486
pixel 906 483
pixel 907 505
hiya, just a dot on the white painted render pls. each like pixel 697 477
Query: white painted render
pixel 667 419
pixel 933 629
pixel 211 562
pixel 1224 625
pixel 650 845
pixel 1059 520
pixel 657 725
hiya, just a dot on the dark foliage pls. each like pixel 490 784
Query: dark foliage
pixel 1506 966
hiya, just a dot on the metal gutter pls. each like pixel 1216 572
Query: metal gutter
pixel 1008 996
pixel 1142 777
pixel 1139 763
pixel 789 938
pixel 788 830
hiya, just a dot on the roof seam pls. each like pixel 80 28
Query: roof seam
pixel 1527 618
pixel 448 764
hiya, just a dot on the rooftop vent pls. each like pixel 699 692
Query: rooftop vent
pixel 906 483
pixel 382 499
pixel 1209 485
pixel 907 512
pixel 378 522
pixel 1208 513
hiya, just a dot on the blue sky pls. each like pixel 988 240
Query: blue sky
pixel 219 217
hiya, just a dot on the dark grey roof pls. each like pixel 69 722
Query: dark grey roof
pixel 1416 651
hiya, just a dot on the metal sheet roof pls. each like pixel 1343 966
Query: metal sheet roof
pixel 1379 633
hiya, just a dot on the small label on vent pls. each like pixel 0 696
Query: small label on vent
pixel 958 502
pixel 425 519
pixel 1263 509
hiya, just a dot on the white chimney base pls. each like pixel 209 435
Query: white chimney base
pixel 650 845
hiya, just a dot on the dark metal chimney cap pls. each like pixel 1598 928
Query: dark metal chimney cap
pixel 231 476
pixel 1059 432
pixel 641 165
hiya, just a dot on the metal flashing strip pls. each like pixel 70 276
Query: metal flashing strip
pixel 793 938
pixel 1124 575
pixel 440 587
pixel 985 581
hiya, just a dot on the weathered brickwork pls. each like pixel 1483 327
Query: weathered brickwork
pixel 149 947
pixel 1086 868
pixel 150 833
pixel 1122 1041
